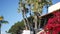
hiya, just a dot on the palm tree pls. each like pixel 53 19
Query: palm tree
pixel 2 21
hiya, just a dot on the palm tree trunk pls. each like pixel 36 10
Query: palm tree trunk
pixel 0 26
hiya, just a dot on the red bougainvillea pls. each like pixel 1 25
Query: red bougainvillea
pixel 53 25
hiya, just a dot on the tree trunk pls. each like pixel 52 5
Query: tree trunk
pixel 47 8
pixel 39 23
pixel 0 26
pixel 35 21
pixel 25 22
pixel 28 22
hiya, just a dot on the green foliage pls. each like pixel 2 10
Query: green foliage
pixel 1 18
pixel 34 5
pixel 2 21
pixel 16 28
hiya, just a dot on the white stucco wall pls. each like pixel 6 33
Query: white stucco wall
pixel 54 7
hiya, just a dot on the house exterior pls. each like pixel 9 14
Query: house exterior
pixel 27 32
pixel 52 26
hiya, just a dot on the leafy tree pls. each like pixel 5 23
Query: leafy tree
pixel 22 8
pixel 17 28
pixel 2 21
pixel 36 6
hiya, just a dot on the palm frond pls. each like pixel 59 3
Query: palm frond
pixel 1 18
pixel 4 22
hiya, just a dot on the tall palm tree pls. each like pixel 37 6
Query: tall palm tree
pixel 2 21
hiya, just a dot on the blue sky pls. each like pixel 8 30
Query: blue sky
pixel 8 9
